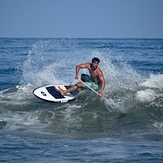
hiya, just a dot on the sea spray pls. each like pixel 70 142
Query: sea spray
pixel 122 81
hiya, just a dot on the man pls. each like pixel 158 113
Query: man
pixel 96 79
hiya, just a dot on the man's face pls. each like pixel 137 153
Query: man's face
pixel 95 65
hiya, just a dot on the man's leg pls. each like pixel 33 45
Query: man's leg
pixel 71 89
pixel 85 77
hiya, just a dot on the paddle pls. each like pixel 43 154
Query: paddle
pixel 110 102
pixel 92 89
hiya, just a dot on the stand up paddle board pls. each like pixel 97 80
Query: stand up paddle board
pixel 51 93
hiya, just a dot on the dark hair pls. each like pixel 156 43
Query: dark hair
pixel 95 60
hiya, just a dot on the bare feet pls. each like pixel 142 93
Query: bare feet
pixel 61 91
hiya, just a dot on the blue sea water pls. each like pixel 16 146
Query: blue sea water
pixel 127 127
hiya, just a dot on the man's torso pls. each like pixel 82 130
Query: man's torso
pixel 94 74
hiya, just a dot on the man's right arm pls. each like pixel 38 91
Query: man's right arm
pixel 78 67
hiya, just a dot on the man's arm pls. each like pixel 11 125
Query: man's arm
pixel 102 79
pixel 78 67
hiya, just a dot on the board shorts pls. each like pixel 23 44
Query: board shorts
pixel 88 81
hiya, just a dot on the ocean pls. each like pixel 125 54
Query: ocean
pixel 125 128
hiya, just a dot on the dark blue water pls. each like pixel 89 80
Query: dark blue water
pixel 127 127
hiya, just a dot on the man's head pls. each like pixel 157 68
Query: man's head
pixel 95 62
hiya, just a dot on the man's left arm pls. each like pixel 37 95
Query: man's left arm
pixel 102 79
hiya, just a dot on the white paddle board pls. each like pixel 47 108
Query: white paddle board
pixel 51 93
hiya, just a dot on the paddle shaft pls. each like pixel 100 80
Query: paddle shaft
pixel 92 89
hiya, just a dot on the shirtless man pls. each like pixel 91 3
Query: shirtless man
pixel 96 79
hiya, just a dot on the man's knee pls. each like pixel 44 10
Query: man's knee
pixel 84 77
pixel 79 85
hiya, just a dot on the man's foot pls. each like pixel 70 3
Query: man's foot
pixel 61 91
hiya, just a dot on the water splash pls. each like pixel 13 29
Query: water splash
pixel 154 81
pixel 54 62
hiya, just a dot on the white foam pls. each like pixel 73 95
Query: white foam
pixel 113 105
pixel 155 81
pixel 21 120
pixel 17 96
pixel 158 124
pixel 146 95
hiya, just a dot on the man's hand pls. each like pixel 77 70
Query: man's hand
pixel 76 76
pixel 100 93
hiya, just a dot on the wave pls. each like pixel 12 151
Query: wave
pixel 86 116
